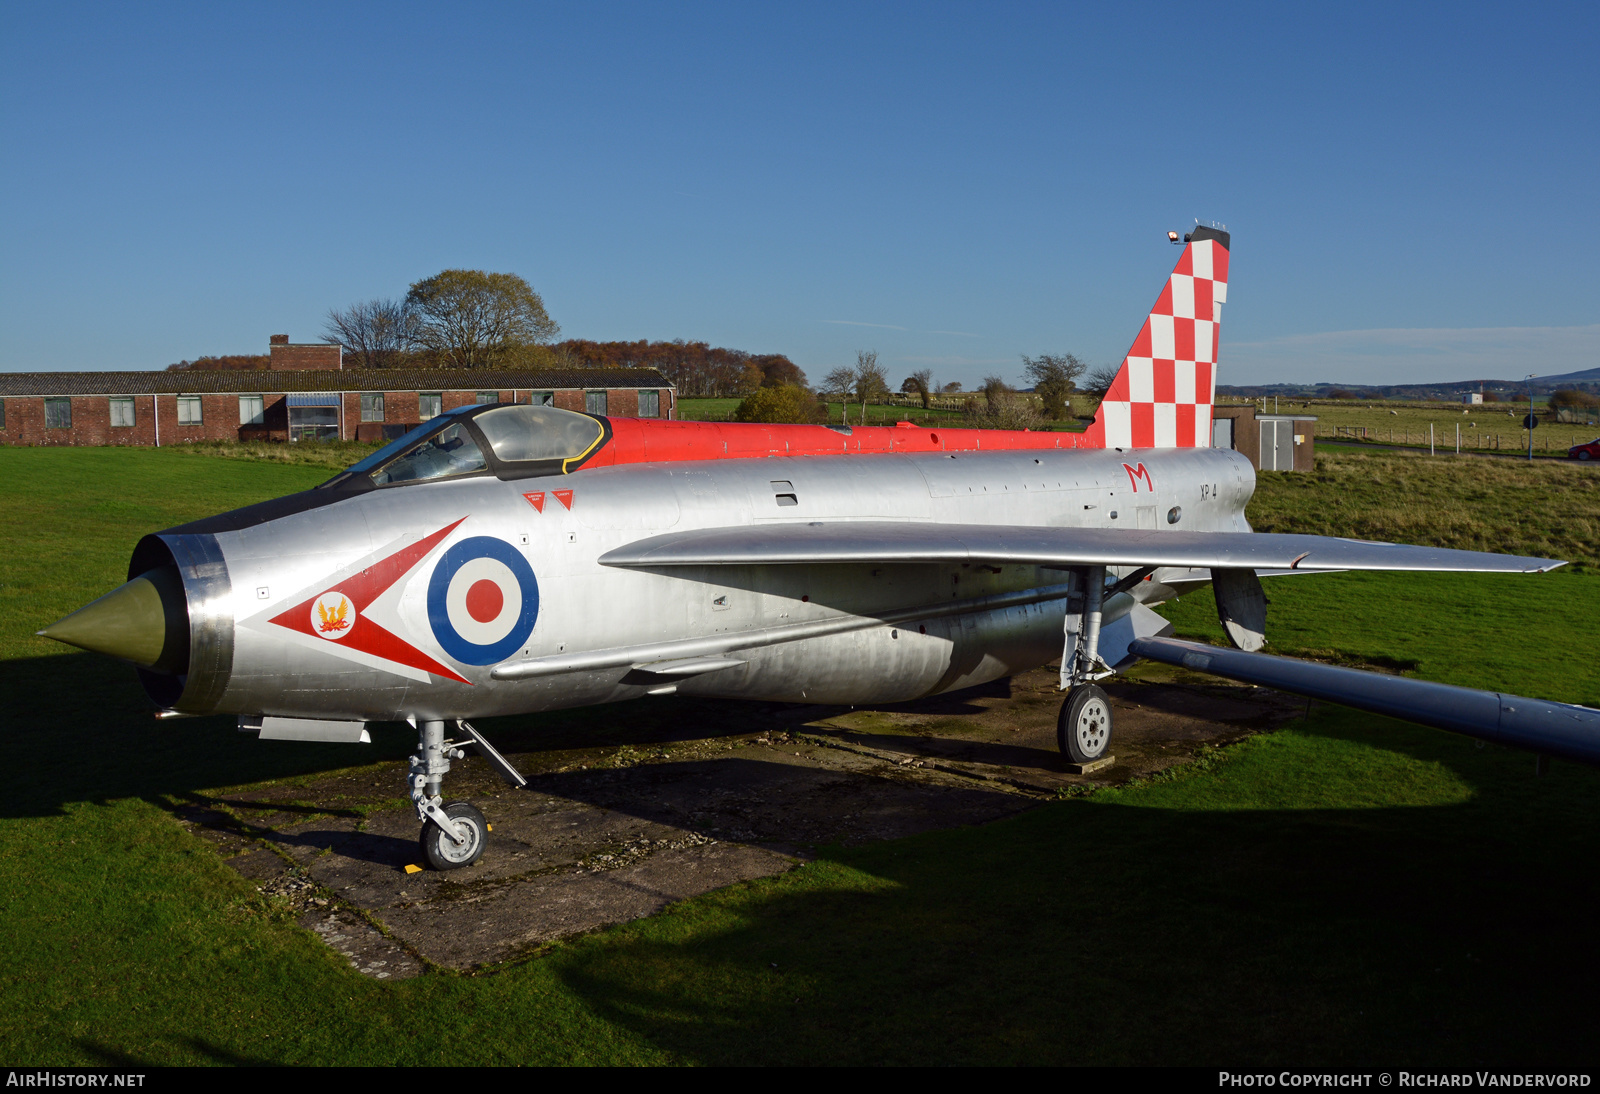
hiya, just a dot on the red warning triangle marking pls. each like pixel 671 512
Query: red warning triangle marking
pixel 365 586
pixel 536 499
pixel 564 497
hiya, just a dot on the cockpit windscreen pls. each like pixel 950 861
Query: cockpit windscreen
pixel 447 453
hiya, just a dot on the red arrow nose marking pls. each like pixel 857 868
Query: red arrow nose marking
pixel 363 588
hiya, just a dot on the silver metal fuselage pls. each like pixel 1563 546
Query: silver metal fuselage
pixel 238 581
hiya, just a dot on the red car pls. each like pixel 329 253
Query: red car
pixel 1590 451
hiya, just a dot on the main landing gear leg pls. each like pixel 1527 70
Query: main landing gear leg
pixel 1083 728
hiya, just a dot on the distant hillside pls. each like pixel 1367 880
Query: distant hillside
pixel 1585 380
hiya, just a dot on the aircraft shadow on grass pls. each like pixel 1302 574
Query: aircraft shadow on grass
pixel 1084 933
pixel 101 741
pixel 1456 935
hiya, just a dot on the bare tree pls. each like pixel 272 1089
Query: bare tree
pixel 840 382
pixel 377 333
pixel 1100 380
pixel 870 378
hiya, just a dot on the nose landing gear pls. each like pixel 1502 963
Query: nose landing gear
pixel 453 834
pixel 442 850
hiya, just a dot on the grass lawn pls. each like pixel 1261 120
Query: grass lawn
pixel 1348 892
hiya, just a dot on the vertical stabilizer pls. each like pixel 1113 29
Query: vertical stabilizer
pixel 1162 395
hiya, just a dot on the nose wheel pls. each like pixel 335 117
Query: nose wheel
pixel 445 853
pixel 1083 728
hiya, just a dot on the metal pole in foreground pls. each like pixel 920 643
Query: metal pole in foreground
pixel 1530 417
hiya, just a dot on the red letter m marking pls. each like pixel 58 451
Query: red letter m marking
pixel 1137 473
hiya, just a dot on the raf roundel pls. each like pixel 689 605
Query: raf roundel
pixel 482 601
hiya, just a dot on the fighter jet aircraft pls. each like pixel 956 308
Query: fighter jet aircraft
pixel 509 559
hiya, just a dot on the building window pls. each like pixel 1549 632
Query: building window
pixel 488 397
pixel 2 413
pixel 189 410
pixel 594 402
pixel 542 398
pixel 252 410
pixel 58 413
pixel 649 404
pixel 313 423
pixel 121 412
pixel 430 404
pixel 372 407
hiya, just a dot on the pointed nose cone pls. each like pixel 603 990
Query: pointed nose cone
pixel 144 622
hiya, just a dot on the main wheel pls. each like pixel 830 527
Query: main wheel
pixel 444 853
pixel 1583 455
pixel 1083 729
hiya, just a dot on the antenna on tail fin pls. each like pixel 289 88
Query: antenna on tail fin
pixel 1163 393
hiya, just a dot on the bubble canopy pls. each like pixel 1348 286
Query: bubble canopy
pixel 524 432
pixel 513 440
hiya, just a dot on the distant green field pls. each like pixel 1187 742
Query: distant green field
pixel 1347 891
pixel 1491 426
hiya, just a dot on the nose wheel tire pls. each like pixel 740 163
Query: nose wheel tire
pixel 444 853
pixel 1083 729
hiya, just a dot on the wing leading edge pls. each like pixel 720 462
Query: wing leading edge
pixel 890 542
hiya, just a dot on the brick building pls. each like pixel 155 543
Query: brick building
pixel 308 394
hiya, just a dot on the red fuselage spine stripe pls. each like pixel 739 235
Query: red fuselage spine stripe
pixel 642 440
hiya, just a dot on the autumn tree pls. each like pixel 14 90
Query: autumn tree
pixel 1001 409
pixel 781 403
pixel 697 369
pixel 1053 377
pixel 995 391
pixel 377 333
pixel 1573 399
pixel 473 319
pixel 919 383
pixel 227 362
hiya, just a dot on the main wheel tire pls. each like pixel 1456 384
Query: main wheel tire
pixel 1583 455
pixel 1083 729
pixel 442 852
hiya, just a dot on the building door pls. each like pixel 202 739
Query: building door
pixel 1277 446
pixel 1222 433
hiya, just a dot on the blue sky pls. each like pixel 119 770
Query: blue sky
pixel 1411 188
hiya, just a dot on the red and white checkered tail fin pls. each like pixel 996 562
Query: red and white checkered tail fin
pixel 1162 396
